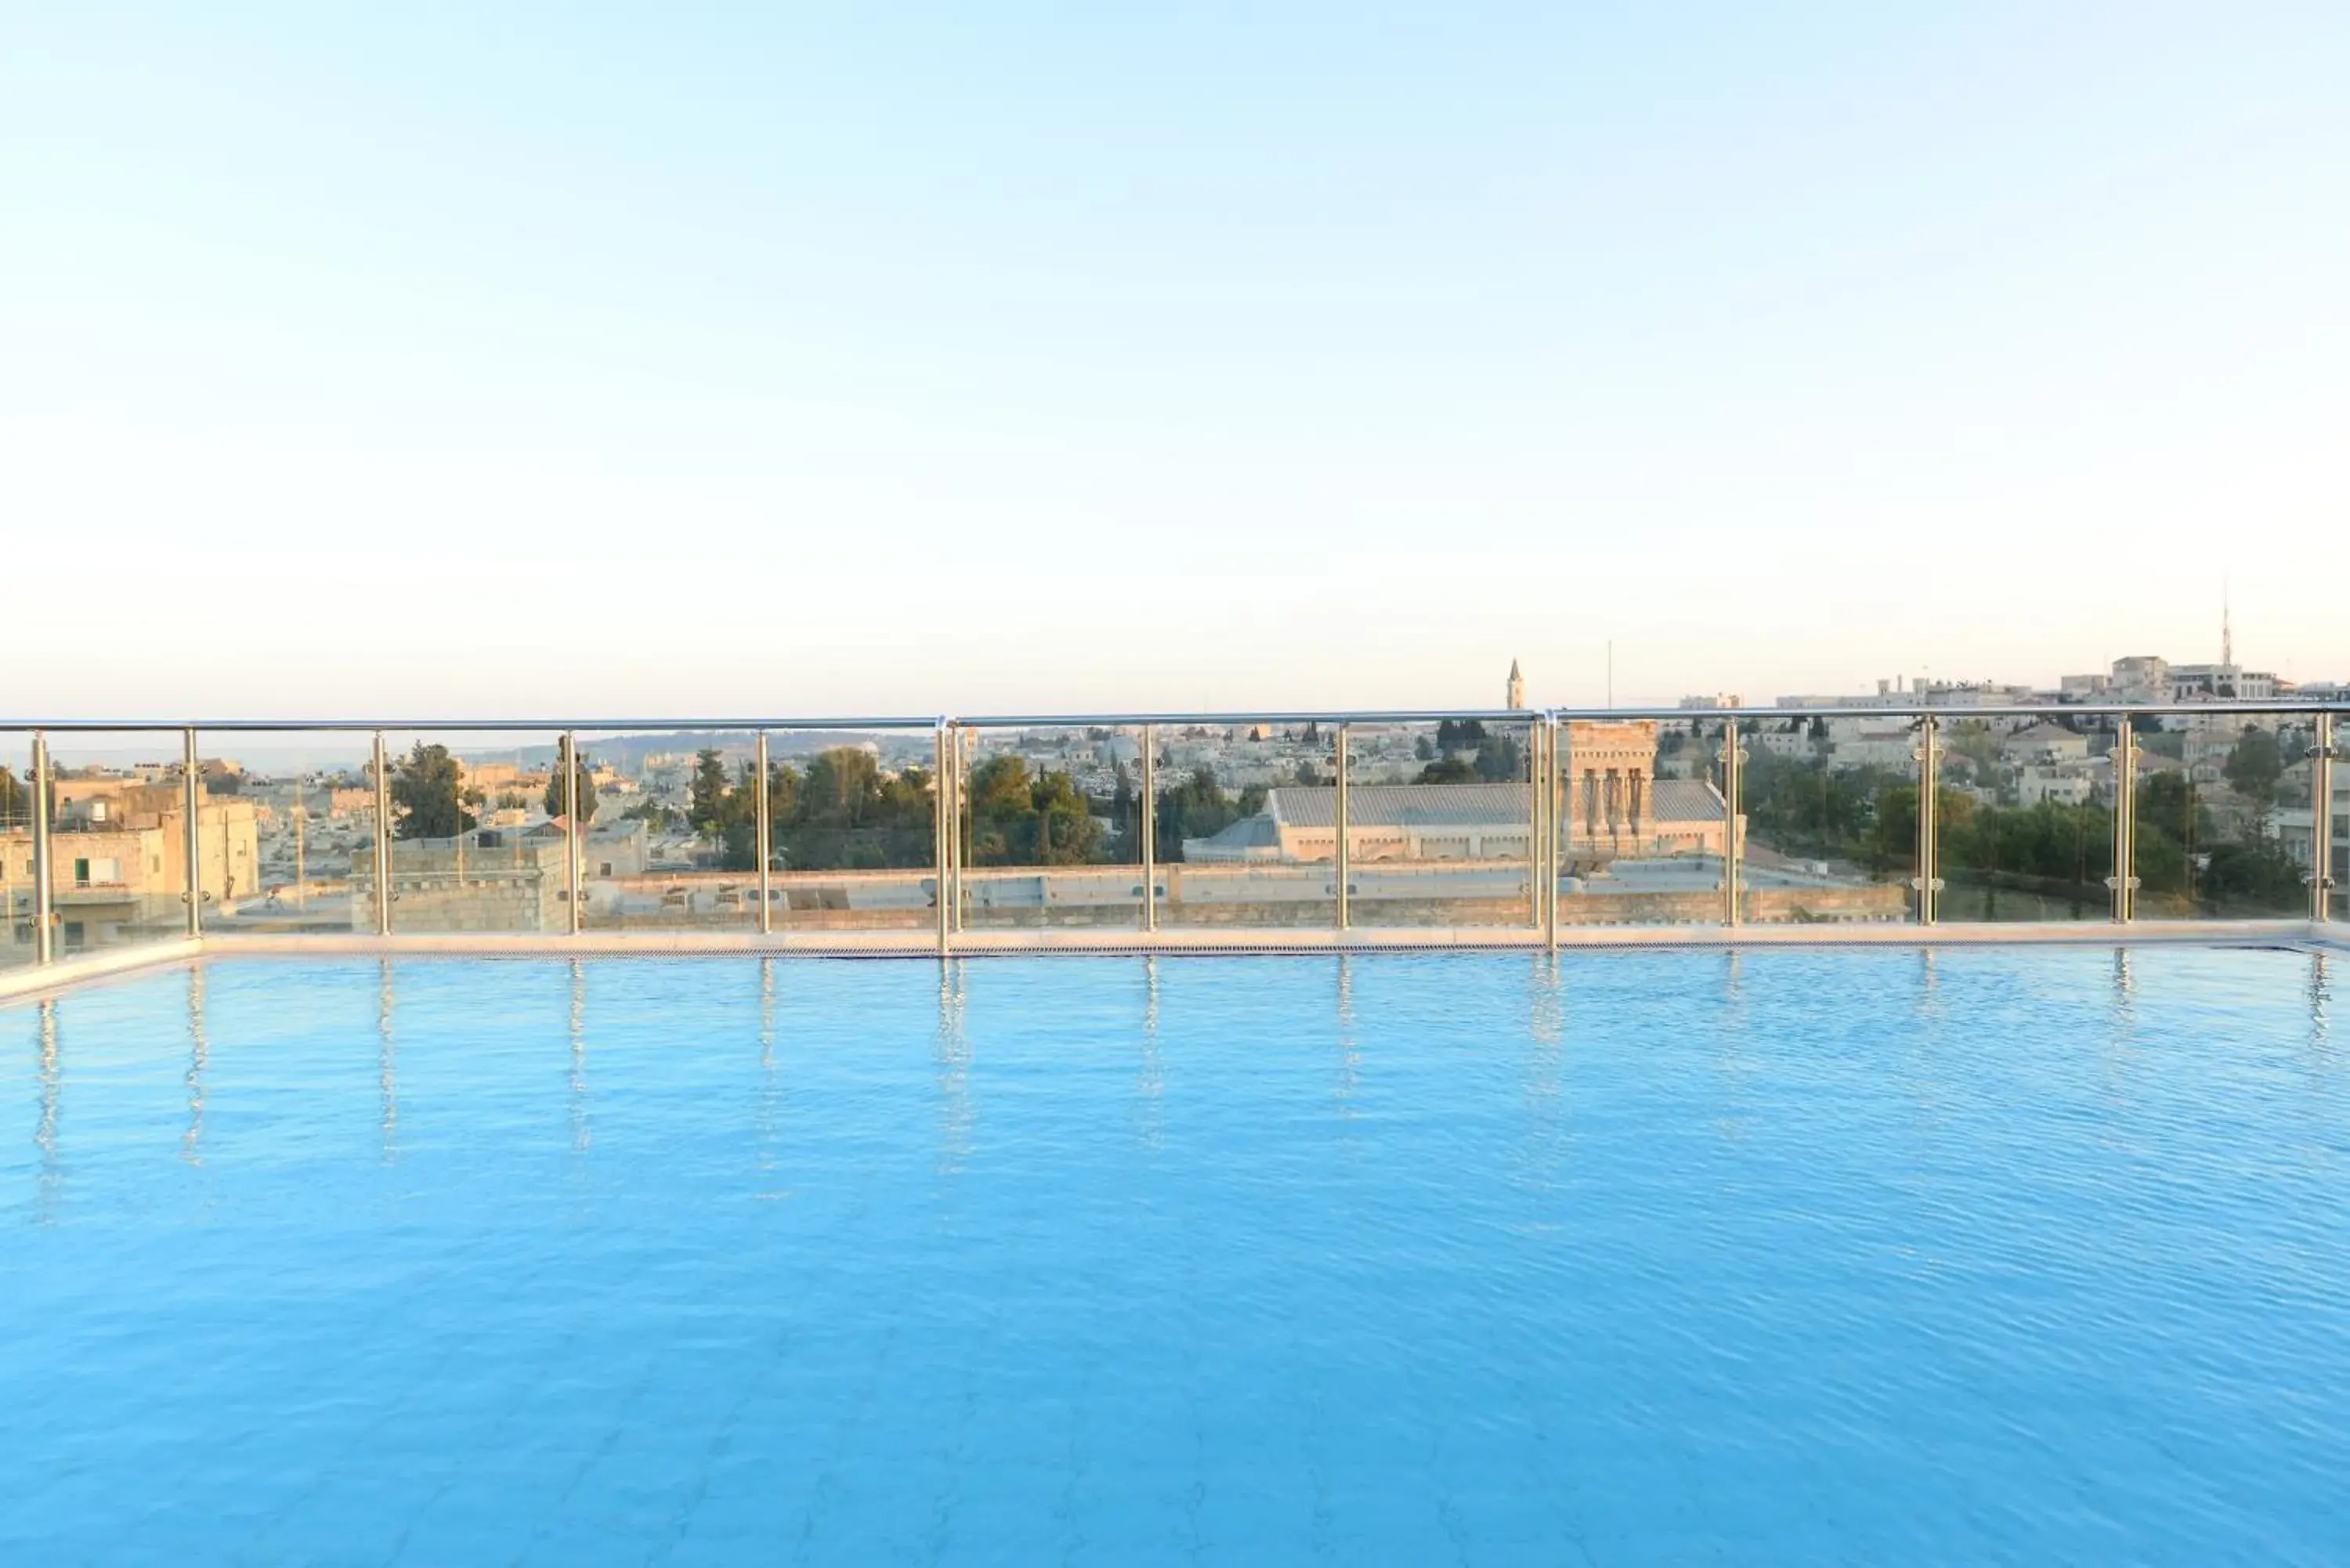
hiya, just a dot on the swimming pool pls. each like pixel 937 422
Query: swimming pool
pixel 2034 1254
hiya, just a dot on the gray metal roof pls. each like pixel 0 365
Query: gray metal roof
pixel 1491 805
pixel 1249 833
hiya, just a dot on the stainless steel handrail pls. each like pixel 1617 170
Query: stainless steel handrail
pixel 750 726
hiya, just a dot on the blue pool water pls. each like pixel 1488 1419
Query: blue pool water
pixel 2027 1255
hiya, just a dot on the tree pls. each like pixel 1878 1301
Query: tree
pixel 1017 820
pixel 706 795
pixel 654 814
pixel 1448 770
pixel 1459 735
pixel 1198 807
pixel 553 800
pixel 15 800
pixel 429 796
pixel 2172 828
pixel 1973 739
pixel 1123 816
pixel 1499 761
pixel 844 811
pixel 2255 766
pixel 736 826
pixel 1807 807
pixel 2259 876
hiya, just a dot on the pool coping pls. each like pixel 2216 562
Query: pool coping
pixel 86 968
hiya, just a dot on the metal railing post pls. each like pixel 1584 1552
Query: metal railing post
pixel 1150 827
pixel 45 886
pixel 1345 856
pixel 1548 880
pixel 383 841
pixel 1929 881
pixel 2321 822
pixel 942 831
pixel 759 800
pixel 2124 881
pixel 954 835
pixel 195 841
pixel 571 835
pixel 1733 842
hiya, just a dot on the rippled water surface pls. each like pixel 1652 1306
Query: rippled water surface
pixel 1878 1257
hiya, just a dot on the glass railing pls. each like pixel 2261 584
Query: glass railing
pixel 2209 842
pixel 855 838
pixel 1830 814
pixel 1441 825
pixel 1246 833
pixel 313 803
pixel 20 901
pixel 1509 826
pixel 1643 824
pixel 2027 828
pixel 1050 827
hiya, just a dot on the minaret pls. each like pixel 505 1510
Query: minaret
pixel 1517 700
pixel 2227 632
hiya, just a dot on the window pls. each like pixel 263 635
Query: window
pixel 81 873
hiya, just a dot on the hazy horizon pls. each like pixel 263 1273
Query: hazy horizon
pixel 1029 360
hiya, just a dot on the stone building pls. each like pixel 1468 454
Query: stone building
pixel 1611 804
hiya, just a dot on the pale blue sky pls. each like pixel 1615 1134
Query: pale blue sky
pixel 1046 357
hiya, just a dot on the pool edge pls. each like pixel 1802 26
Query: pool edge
pixel 86 968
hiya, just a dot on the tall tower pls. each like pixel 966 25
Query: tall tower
pixel 2227 631
pixel 1517 700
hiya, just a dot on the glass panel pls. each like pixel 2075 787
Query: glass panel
pixel 16 849
pixel 1831 818
pixel 1245 826
pixel 2027 817
pixel 1441 824
pixel 853 818
pixel 670 830
pixel 1641 826
pixel 118 840
pixel 474 847
pixel 312 794
pixel 1052 829
pixel 2208 845
pixel 2339 898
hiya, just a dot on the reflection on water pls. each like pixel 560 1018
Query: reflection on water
pixel 767 1015
pixel 768 1114
pixel 1549 1001
pixel 2321 995
pixel 1151 1081
pixel 1728 1057
pixel 387 1064
pixel 44 1130
pixel 582 1131
pixel 191 1141
pixel 1351 1057
pixel 951 1059
pixel 1542 1081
